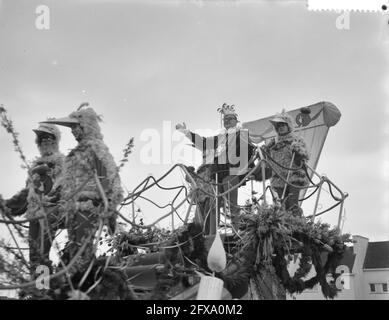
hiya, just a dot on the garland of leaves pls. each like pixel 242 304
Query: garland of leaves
pixel 271 233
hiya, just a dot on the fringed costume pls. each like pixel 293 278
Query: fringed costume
pixel 35 198
pixel 87 167
pixel 287 151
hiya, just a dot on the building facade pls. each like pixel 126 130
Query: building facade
pixel 365 273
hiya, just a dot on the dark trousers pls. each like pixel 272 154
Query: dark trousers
pixel 232 197
pixel 207 208
pixel 40 235
pixel 81 226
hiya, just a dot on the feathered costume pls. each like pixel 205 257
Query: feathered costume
pixel 82 200
pixel 43 179
pixel 89 156
pixel 282 150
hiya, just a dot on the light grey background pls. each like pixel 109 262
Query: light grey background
pixel 141 62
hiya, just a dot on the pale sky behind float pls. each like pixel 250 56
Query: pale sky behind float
pixel 139 63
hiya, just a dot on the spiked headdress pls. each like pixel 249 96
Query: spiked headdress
pixel 227 109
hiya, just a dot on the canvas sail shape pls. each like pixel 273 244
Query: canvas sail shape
pixel 311 123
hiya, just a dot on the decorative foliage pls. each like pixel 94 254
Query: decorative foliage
pixel 127 242
pixel 126 152
pixel 9 127
pixel 268 234
pixel 271 233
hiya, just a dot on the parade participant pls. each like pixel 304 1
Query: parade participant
pixel 229 153
pixel 289 151
pixel 35 198
pixel 90 183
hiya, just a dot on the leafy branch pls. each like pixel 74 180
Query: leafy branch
pixel 126 152
pixel 9 127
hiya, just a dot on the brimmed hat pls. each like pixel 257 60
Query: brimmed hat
pixel 48 128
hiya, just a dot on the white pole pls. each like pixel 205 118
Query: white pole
pixel 217 202
pixel 172 217
pixel 340 214
pixel 133 211
pixel 263 170
pixel 252 191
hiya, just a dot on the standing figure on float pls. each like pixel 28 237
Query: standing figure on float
pixel 229 153
pixel 287 150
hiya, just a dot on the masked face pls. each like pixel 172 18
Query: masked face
pixel 77 132
pixel 47 144
pixel 282 128
pixel 229 122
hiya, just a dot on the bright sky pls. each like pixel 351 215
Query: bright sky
pixel 139 63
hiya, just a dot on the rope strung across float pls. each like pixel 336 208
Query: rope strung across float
pixel 143 186
pixel 133 196
pixel 146 188
pixel 156 221
pixel 330 208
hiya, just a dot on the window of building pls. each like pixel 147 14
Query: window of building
pixel 378 287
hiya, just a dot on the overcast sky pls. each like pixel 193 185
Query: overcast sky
pixel 139 63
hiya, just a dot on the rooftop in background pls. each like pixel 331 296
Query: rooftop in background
pixel 377 255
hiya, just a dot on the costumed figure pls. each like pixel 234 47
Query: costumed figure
pixel 289 151
pixel 229 154
pixel 38 197
pixel 90 184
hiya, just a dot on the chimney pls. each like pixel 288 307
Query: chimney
pixel 360 248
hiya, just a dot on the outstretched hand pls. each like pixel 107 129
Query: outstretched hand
pixel 180 126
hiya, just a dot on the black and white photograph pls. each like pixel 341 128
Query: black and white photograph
pixel 170 150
